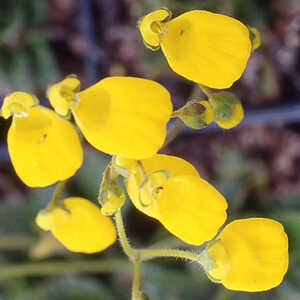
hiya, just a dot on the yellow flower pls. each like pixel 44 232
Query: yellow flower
pixel 80 226
pixel 43 148
pixel 249 255
pixel 201 46
pixel 126 116
pixel 171 191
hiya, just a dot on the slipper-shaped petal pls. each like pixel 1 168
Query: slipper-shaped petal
pixel 207 48
pixel 83 228
pixel 43 148
pixel 172 164
pixel 191 209
pixel 126 116
pixel 257 255
pixel 187 205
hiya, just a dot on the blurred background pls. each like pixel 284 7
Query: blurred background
pixel 256 165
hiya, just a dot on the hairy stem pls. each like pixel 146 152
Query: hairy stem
pixel 207 91
pixel 149 254
pixel 128 250
pixel 57 193
pixel 136 280
pixel 173 132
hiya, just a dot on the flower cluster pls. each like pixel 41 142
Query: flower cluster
pixel 126 117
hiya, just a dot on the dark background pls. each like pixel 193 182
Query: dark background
pixel 256 165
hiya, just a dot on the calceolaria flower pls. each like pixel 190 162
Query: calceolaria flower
pixel 43 148
pixel 248 255
pixel 79 225
pixel 170 190
pixel 125 116
pixel 207 48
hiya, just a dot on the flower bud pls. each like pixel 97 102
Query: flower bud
pixel 255 38
pixel 228 109
pixel 196 114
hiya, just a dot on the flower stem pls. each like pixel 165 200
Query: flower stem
pixel 128 250
pixel 57 193
pixel 13 242
pixel 148 254
pixel 59 267
pixel 207 91
pixel 173 132
pixel 136 280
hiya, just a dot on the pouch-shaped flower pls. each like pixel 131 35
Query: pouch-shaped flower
pixel 250 255
pixel 80 226
pixel 43 148
pixel 207 48
pixel 173 192
pixel 126 116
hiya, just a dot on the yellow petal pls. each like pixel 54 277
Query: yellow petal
pixel 17 103
pixel 62 95
pixel 125 162
pixel 87 230
pixel 112 203
pixel 174 165
pixel 207 48
pixel 48 219
pixel 43 148
pixel 150 23
pixel 209 114
pixel 126 116
pixel 191 209
pixel 236 118
pixel 258 252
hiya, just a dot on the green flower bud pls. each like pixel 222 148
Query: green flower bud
pixel 228 109
pixel 196 114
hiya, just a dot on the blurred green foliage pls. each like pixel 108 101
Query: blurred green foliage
pixel 26 60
